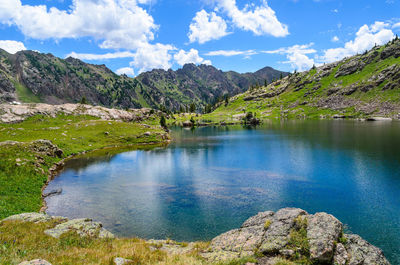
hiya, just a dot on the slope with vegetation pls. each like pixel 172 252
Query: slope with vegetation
pixel 29 76
pixel 361 86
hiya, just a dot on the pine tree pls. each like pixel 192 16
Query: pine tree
pixel 192 108
pixel 83 100
pixel 163 122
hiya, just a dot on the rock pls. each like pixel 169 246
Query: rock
pixel 84 227
pixel 341 256
pixel 46 147
pixel 30 217
pixel 391 50
pixel 35 262
pixel 277 235
pixel 52 193
pixel 379 119
pixel 187 124
pixel 361 252
pixel 350 67
pixel 147 134
pixel 269 234
pixel 323 230
pixel 122 261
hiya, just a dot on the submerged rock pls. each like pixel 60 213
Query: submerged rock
pixel 290 233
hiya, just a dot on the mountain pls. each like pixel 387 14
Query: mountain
pixel 364 85
pixel 29 76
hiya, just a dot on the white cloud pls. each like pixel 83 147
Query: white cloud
pixel 117 24
pixel 366 37
pixel 335 39
pixel 206 27
pixel 94 57
pixel 12 46
pixel 297 56
pixel 228 53
pixel 396 26
pixel 125 70
pixel 261 20
pixel 149 56
pixel 191 56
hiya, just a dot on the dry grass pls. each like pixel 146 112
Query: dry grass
pixel 26 241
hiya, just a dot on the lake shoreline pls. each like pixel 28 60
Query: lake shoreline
pixel 58 167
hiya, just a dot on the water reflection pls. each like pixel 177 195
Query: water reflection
pixel 210 180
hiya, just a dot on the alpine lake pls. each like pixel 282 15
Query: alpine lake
pixel 210 179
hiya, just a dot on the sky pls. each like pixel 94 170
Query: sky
pixel 133 36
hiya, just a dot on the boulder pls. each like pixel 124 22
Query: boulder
pixel 361 252
pixel 84 227
pixel 46 147
pixel 270 234
pixel 52 193
pixel 276 236
pixel 323 230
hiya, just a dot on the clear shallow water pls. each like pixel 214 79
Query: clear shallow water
pixel 211 179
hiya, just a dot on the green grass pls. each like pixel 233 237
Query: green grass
pixel 23 172
pixel 24 94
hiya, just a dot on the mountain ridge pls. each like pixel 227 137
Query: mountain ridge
pixel 29 76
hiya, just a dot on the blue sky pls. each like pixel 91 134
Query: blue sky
pixel 132 36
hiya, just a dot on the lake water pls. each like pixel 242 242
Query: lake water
pixel 211 179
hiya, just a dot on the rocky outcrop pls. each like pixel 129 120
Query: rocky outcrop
pixel 84 227
pixel 291 233
pixel 17 113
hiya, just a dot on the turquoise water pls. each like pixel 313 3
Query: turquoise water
pixel 211 179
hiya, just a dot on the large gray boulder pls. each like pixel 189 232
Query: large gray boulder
pixel 274 235
pixel 323 231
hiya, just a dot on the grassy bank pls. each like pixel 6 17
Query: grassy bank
pixel 24 170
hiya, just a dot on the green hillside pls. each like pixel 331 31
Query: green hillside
pixel 361 86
